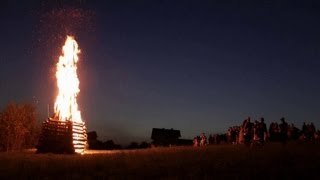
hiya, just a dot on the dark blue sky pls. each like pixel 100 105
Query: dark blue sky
pixel 197 66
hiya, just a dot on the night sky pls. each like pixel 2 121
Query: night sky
pixel 196 66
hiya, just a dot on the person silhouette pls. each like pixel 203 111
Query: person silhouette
pixel 283 131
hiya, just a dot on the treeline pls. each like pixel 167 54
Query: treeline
pixel 18 127
pixel 96 144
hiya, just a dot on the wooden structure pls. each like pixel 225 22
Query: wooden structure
pixel 62 137
pixel 165 137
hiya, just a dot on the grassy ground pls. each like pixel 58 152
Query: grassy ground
pixel 273 161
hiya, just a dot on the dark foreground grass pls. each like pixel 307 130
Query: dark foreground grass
pixel 273 161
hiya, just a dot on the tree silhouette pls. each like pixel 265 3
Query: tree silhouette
pixel 18 127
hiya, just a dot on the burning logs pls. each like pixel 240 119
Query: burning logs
pixel 62 137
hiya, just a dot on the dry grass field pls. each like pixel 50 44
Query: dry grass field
pixel 273 161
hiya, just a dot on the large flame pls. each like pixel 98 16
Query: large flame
pixel 66 107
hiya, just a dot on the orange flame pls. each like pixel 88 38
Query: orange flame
pixel 66 107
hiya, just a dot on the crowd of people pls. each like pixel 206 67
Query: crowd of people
pixel 200 140
pixel 256 132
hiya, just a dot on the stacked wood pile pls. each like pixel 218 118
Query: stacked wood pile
pixel 79 136
pixel 62 137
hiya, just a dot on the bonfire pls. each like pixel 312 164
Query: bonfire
pixel 65 132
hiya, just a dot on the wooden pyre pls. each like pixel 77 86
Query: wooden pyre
pixel 62 137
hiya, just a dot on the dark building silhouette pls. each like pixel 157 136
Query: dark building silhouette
pixel 165 137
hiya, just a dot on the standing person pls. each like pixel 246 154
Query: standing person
pixel 304 128
pixel 248 128
pixel 264 130
pixel 233 135
pixel 241 135
pixel 312 131
pixel 195 142
pixel 229 138
pixel 256 131
pixel 283 131
pixel 210 139
pixel 203 140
